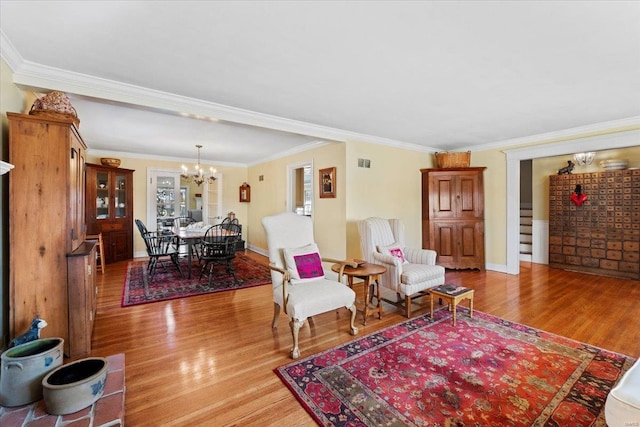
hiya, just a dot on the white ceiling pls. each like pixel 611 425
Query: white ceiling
pixel 268 77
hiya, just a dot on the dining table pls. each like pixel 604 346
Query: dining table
pixel 191 236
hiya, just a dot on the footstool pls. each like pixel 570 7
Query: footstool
pixel 622 408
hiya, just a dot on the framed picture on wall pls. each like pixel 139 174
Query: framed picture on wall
pixel 327 183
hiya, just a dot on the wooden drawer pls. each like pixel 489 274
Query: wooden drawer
pixel 111 226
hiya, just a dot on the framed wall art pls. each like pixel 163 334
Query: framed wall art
pixel 245 192
pixel 327 183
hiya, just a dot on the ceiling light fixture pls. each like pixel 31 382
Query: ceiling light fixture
pixel 198 176
pixel 584 158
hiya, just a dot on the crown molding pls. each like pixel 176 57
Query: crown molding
pixel 571 133
pixel 622 139
pixel 9 53
pixel 128 155
pixel 300 149
pixel 38 77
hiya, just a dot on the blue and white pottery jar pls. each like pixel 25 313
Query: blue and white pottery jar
pixel 24 366
pixel 74 386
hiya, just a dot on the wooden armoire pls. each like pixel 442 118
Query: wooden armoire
pixel 453 216
pixel 51 267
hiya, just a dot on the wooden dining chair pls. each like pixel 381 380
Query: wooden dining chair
pixel 159 248
pixel 218 246
pixel 100 260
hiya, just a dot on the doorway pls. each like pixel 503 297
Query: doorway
pixel 300 188
pixel 163 198
pixel 168 199
pixel 514 157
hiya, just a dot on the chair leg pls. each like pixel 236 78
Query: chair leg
pixel 152 267
pixel 276 314
pixel 295 328
pixel 176 261
pixel 232 271
pixel 203 269
pixel 352 327
pixel 407 303
pixel 213 265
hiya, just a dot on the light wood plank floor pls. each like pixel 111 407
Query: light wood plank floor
pixel 209 360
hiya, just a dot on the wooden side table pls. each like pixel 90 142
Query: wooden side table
pixel 453 299
pixel 370 274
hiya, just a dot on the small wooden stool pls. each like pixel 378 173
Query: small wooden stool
pixel 453 298
pixel 99 251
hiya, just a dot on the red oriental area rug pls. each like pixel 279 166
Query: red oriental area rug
pixel 485 371
pixel 167 283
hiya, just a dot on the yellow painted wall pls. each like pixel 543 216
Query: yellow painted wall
pixel 390 188
pixel 233 177
pixel 269 197
pixel 495 203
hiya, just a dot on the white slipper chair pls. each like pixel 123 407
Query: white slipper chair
pixel 299 283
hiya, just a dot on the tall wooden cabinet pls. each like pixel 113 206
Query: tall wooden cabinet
pixel 453 216
pixel 46 228
pixel 109 209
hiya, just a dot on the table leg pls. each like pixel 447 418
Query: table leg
pixel 453 305
pixel 366 298
pixel 431 305
pixel 471 306
pixel 378 302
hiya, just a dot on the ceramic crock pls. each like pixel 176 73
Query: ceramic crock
pixel 24 366
pixel 74 386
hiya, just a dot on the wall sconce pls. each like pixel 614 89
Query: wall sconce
pixel 584 158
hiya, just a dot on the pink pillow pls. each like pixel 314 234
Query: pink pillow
pixel 309 265
pixel 304 262
pixel 394 250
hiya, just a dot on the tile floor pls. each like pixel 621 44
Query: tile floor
pixel 106 411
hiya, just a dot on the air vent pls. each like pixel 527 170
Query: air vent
pixel 364 163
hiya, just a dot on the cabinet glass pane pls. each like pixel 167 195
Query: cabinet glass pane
pixel 184 195
pixel 121 196
pixel 102 195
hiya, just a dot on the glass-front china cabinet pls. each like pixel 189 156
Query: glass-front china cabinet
pixel 109 209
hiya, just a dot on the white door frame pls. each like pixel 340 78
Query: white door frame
pixel 151 196
pixel 595 143
pixel 291 179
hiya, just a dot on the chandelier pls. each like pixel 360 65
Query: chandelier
pixel 198 176
pixel 584 158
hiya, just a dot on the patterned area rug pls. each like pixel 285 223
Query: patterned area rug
pixel 485 371
pixel 167 283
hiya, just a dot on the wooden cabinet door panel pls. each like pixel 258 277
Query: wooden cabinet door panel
pixel 444 243
pixel 442 196
pixel 469 196
pixel 119 246
pixel 471 245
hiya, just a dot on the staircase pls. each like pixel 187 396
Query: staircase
pixel 526 234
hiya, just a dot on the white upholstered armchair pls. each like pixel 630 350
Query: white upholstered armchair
pixel 299 283
pixel 410 271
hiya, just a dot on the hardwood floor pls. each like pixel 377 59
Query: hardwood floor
pixel 209 360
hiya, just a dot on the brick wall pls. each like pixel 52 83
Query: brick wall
pixel 602 235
